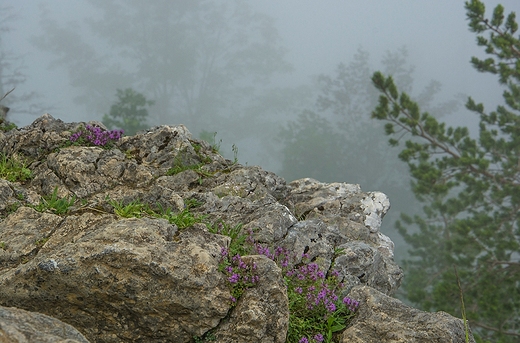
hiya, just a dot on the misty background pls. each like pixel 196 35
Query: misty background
pixel 287 82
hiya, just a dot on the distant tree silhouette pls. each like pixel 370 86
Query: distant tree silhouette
pixel 129 113
pixel 12 75
pixel 197 59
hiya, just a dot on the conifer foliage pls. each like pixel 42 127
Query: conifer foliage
pixel 470 188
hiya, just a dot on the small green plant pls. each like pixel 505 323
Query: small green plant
pixel 133 209
pixel 7 126
pixel 192 203
pixel 211 138
pixel 138 209
pixel 14 169
pixel 129 154
pixel 11 208
pixel 207 337
pixel 234 148
pixel 179 167
pixel 242 243
pixel 55 204
pixel 462 307
pixel 41 242
pixel 3 246
pixel 182 219
pixel 4 124
pixel 316 312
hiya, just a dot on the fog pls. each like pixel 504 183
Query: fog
pixel 251 98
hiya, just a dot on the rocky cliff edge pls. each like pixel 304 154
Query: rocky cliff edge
pixel 126 244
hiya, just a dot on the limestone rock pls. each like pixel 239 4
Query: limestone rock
pixel 26 327
pixel 121 280
pixel 381 319
pixel 141 278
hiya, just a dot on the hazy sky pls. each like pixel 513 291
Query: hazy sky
pixel 318 34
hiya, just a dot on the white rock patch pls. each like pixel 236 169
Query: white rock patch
pixel 375 207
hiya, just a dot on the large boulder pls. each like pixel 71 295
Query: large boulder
pixel 117 280
pixel 384 319
pixel 138 277
pixel 21 326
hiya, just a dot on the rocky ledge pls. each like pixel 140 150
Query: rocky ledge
pixel 126 244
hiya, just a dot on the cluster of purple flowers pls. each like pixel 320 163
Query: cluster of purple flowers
pixel 317 338
pixel 308 279
pixel 312 291
pixel 351 304
pixel 96 136
pixel 240 275
pixel 280 255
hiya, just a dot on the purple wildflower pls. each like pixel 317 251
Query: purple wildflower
pixel 351 304
pixel 303 340
pixel 319 338
pixel 96 135
pixel 264 251
pixel 224 251
pixel 234 278
pixel 75 136
pixel 236 258
pixel 355 305
pixel 330 306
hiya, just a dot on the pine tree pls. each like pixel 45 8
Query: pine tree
pixel 471 191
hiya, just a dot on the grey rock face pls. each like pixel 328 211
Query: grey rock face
pixel 383 319
pixel 21 326
pixel 121 279
pixel 144 279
